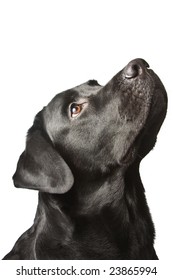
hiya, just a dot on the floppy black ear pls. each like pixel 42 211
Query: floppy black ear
pixel 40 166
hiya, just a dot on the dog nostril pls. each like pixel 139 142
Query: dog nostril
pixel 132 71
pixel 135 67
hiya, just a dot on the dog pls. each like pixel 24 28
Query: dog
pixel 83 154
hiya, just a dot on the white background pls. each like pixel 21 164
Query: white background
pixel 50 46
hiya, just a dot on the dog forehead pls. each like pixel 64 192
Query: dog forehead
pixel 74 94
pixel 88 88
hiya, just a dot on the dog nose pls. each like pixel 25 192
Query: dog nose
pixel 135 68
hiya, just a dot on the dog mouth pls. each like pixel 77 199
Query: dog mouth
pixel 144 109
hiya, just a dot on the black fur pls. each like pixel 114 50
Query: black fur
pixel 93 83
pixel 92 203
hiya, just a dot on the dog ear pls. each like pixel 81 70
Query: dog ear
pixel 41 167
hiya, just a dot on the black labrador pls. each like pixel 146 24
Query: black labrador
pixel 83 154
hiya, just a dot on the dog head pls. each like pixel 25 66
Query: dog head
pixel 92 129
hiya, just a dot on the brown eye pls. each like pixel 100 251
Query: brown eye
pixel 75 109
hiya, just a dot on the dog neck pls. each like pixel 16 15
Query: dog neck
pixel 122 190
pixel 116 207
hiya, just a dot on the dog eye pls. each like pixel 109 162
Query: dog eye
pixel 75 109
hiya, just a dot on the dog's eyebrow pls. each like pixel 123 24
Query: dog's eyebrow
pixel 93 83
